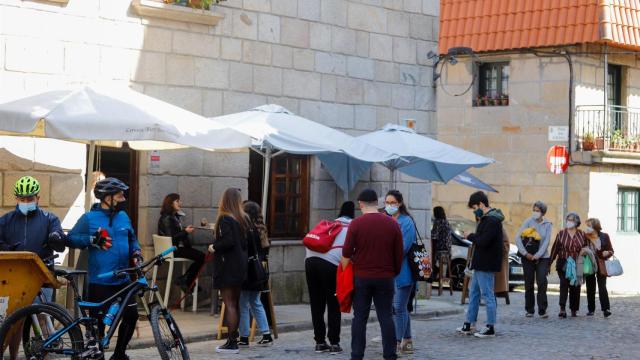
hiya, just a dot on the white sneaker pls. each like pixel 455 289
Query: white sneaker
pixel 466 329
pixel 485 333
pixel 377 339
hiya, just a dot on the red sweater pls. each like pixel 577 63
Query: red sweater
pixel 374 245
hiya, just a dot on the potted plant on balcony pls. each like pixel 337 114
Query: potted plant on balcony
pixel 504 100
pixel 619 141
pixel 486 100
pixel 588 142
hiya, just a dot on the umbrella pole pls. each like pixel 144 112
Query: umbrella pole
pixel 265 181
pixel 393 179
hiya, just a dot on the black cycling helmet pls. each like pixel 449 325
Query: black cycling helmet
pixel 108 186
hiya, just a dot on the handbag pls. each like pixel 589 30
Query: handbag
pixel 587 266
pixel 531 245
pixel 256 273
pixel 613 266
pixel 419 259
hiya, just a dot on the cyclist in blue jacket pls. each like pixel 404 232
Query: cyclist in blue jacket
pixel 29 228
pixel 107 232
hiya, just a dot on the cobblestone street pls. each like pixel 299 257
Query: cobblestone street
pixel 518 337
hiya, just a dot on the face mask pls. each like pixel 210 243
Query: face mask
pixel 537 215
pixel 26 207
pixel 589 230
pixel 391 209
pixel 180 213
pixel 121 206
pixel 478 212
pixel 571 224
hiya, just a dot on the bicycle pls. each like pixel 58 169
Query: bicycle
pixel 62 336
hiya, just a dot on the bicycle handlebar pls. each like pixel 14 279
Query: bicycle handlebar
pixel 141 266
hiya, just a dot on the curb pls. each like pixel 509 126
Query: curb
pixel 290 327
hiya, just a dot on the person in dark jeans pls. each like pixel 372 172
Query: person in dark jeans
pixel 320 269
pixel 569 242
pixel 535 262
pixel 169 224
pixel 600 243
pixel 374 245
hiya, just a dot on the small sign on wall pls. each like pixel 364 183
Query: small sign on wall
pixel 559 133
pixel 154 159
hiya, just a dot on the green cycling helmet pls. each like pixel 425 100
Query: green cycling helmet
pixel 26 186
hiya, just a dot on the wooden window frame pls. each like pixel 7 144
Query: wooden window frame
pixel 303 195
pixel 500 91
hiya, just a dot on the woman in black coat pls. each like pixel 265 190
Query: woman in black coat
pixel 230 260
pixel 169 224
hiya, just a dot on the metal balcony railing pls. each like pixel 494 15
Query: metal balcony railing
pixel 618 130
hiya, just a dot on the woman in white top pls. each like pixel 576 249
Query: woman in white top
pixel 321 269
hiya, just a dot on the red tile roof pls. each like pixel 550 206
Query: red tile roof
pixel 491 25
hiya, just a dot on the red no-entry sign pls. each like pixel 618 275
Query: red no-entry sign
pixel 558 159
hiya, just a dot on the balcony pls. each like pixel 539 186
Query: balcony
pixel 616 131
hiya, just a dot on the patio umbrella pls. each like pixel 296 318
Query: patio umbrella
pixel 421 156
pixel 469 180
pixel 274 129
pixel 108 115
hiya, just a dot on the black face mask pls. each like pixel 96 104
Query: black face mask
pixel 122 206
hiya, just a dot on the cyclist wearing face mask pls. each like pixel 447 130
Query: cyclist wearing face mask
pixel 106 230
pixel 29 228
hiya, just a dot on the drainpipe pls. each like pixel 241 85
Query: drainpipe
pixel 606 95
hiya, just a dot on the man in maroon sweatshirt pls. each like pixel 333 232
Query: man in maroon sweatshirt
pixel 374 245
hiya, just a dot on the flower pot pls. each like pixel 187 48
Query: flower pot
pixel 504 101
pixel 599 145
pixel 588 145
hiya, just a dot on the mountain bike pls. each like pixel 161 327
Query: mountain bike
pixel 50 332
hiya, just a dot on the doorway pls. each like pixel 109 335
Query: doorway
pixel 121 163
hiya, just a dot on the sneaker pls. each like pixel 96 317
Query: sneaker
pixel 406 347
pixel 590 313
pixel 574 313
pixel 607 313
pixel 230 347
pixel 335 349
pixel 320 348
pixel 528 314
pixel 488 331
pixel 266 340
pixel 377 339
pixel 244 341
pixel 544 315
pixel 466 329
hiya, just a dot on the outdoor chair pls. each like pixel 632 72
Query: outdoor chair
pixel 160 244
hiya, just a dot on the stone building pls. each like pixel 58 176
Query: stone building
pixel 351 64
pixel 528 68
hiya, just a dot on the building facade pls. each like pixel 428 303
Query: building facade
pixel 569 65
pixel 352 65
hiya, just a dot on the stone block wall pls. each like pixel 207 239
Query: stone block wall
pixel 350 64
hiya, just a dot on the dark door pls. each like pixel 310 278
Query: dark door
pixel 121 163
pixel 614 96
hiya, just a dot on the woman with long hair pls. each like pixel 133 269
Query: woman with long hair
pixel 170 224
pixel 250 303
pixel 405 284
pixel 230 260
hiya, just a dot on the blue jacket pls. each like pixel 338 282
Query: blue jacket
pixel 123 239
pixel 405 278
pixel 30 232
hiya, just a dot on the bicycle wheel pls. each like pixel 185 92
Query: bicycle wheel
pixel 50 319
pixel 167 335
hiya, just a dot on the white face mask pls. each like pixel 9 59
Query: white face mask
pixel 536 215
pixel 571 224
pixel 589 230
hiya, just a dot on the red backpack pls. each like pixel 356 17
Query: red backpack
pixel 321 237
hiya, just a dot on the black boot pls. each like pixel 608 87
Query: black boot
pixel 230 347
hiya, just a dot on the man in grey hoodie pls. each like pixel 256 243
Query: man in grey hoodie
pixel 535 262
